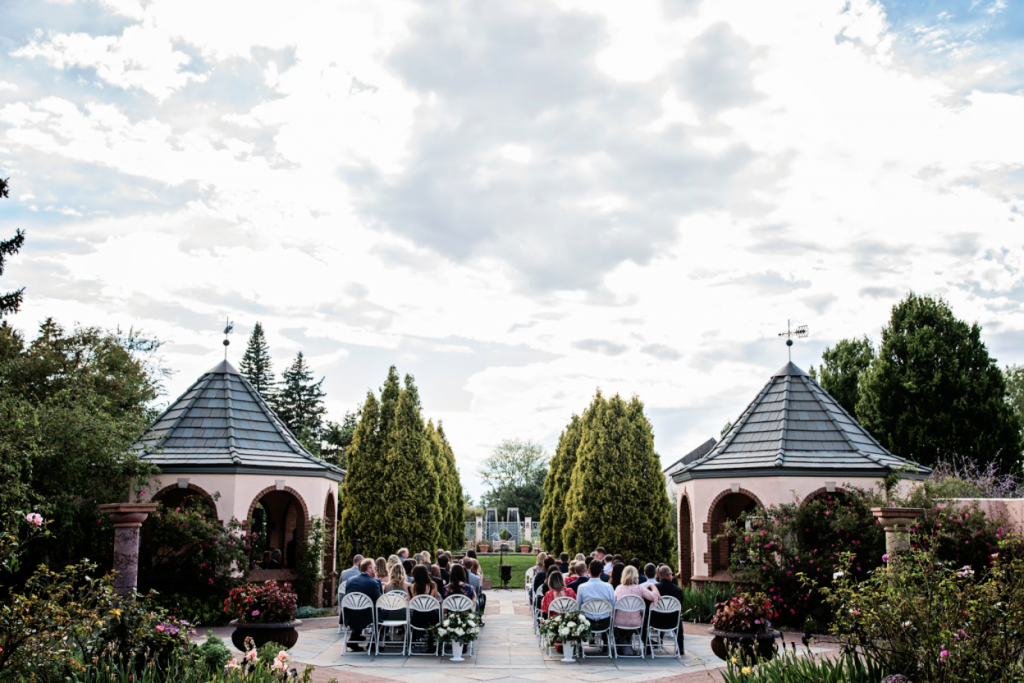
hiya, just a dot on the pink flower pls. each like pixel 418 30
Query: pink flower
pixel 255 612
pixel 944 654
pixel 34 518
pixel 885 558
pixel 160 627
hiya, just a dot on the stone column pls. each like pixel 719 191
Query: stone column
pixel 897 523
pixel 528 531
pixel 479 531
pixel 127 519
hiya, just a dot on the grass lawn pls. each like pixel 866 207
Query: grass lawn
pixel 520 563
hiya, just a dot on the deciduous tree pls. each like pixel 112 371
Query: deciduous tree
pixel 842 367
pixel 515 471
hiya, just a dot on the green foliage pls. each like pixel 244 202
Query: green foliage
pixel 310 612
pixel 299 403
pixel 841 370
pixel 700 604
pixel 401 478
pixel 933 392
pixel 256 365
pixel 310 571
pixel 934 622
pixel 337 438
pixel 202 608
pixel 268 651
pixel 11 301
pixel 791 667
pixel 515 471
pixel 213 654
pixel 617 496
pixel 71 406
pixel 772 547
pixel 554 510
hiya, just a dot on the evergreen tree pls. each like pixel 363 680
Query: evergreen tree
pixel 556 486
pixel 933 393
pixel 617 494
pixel 453 530
pixel 337 438
pixel 841 370
pixel 11 301
pixel 300 403
pixel 256 365
pixel 362 504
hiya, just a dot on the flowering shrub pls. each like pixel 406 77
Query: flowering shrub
pixel 932 621
pixel 565 628
pixel 773 546
pixel 457 627
pixel 960 535
pixel 269 602
pixel 744 613
pixel 251 664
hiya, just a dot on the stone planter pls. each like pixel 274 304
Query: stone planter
pixel 751 645
pixel 283 633
pixel 483 548
pixel 524 548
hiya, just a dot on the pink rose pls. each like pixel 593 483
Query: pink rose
pixel 34 518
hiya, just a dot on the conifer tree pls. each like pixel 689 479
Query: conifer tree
pixel 453 531
pixel 256 365
pixel 10 302
pixel 556 487
pixel 360 493
pixel 617 495
pixel 300 403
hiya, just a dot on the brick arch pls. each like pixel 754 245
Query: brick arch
pixel 271 489
pixel 301 521
pixel 201 492
pixel 685 541
pixel 822 491
pixel 717 555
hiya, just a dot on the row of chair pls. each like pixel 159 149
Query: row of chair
pixel 384 631
pixel 668 608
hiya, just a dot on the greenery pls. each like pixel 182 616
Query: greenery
pixel 934 392
pixel 565 628
pixel 310 570
pixel 791 667
pixel 267 603
pixel 256 365
pixel 11 301
pixel 457 627
pixel 515 472
pixel 299 402
pixel 519 564
pixel 310 612
pixel 934 621
pixel 337 438
pixel 700 604
pixel 402 488
pixel 554 511
pixel 213 653
pixel 617 496
pixel 842 368
pixel 744 613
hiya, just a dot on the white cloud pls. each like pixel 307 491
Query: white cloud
pixel 4 85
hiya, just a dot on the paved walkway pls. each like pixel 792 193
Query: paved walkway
pixel 506 652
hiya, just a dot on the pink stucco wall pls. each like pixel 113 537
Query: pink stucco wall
pixel 1010 511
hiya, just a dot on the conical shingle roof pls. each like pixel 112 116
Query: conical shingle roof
pixel 222 425
pixel 795 428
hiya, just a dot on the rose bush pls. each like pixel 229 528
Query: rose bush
pixel 268 603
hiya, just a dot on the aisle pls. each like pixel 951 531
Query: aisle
pixel 507 651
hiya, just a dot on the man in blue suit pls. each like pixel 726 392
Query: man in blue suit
pixel 357 621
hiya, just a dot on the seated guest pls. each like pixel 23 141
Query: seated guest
pixel 599 555
pixel 357 621
pixel 595 589
pixel 403 553
pixel 579 558
pixel 635 562
pixel 458 583
pixel 649 574
pixel 352 571
pixel 392 560
pixel 426 556
pixel 541 577
pixel 556 589
pixel 421 583
pixel 442 565
pixel 265 562
pixel 382 568
pixel 275 560
pixel 476 579
pixel 563 563
pixel 396 579
pixel 581 577
pixel 407 565
pixel 666 586
pixel 531 573
pixel 617 570
pixel 435 576
pixel 630 585
pixel 471 553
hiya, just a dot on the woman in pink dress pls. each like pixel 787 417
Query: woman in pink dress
pixel 630 586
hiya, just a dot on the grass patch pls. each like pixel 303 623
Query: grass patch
pixel 520 563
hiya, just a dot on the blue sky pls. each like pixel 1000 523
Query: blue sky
pixel 517 203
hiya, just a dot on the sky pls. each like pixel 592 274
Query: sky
pixel 519 203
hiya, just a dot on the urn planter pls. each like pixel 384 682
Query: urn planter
pixel 282 632
pixel 751 645
pixel 524 548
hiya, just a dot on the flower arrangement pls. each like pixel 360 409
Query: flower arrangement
pixel 744 613
pixel 565 628
pixel 266 603
pixel 250 664
pixel 457 627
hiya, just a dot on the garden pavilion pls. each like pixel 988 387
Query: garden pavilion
pixel 794 441
pixel 222 443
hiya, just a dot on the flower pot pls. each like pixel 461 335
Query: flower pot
pixel 483 548
pixel 282 632
pixel 457 652
pixel 567 650
pixel 751 645
pixel 524 548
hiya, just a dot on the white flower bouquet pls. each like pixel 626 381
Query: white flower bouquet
pixel 565 628
pixel 457 627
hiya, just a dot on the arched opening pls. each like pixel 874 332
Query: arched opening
pixel 175 497
pixel 685 542
pixel 278 523
pixel 727 507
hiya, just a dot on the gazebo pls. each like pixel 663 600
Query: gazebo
pixel 793 439
pixel 222 443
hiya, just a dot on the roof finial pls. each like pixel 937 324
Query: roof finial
pixel 229 327
pixel 800 332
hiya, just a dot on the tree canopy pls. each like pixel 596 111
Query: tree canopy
pixel 515 471
pixel 300 403
pixel 11 301
pixel 934 393
pixel 842 368
pixel 256 366
pixel 556 485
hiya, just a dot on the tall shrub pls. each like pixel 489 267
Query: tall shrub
pixel 556 486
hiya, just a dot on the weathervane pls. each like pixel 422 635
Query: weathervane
pixel 229 327
pixel 800 332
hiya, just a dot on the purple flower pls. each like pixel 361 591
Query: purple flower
pixel 255 612
pixel 885 558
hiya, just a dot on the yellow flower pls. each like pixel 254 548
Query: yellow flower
pixel 745 670
pixel 735 661
pixel 116 612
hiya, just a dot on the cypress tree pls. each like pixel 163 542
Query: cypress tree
pixel 360 493
pixel 453 533
pixel 617 494
pixel 556 487
pixel 256 365
pixel 300 403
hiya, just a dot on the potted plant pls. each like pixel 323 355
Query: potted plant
pixel 458 629
pixel 744 621
pixel 568 630
pixel 264 612
pixel 525 546
pixel 483 548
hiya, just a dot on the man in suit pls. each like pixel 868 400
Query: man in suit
pixel 357 621
pixel 667 588
pixel 563 563
pixel 353 571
